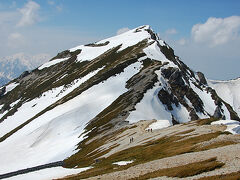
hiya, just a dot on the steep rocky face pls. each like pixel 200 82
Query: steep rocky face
pixel 84 94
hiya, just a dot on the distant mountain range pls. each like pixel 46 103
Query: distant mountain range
pixel 12 66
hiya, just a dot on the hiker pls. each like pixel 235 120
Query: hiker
pixel 132 139
pixel 151 129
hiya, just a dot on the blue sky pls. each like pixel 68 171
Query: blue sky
pixel 205 34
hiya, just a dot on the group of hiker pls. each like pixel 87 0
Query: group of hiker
pixel 131 139
pixel 148 130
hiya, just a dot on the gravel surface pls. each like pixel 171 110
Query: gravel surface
pixel 228 154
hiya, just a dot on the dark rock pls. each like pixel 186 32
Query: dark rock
pixel 24 74
pixel 153 35
pixel 176 78
pixel 2 91
pixel 193 115
pixel 98 44
pixel 168 52
pixel 174 121
pixel 167 72
pixel 62 54
pixel 167 99
pixel 202 78
pixel 218 113
pixel 5 108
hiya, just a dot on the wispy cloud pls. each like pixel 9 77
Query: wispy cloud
pixel 50 2
pixel 182 41
pixel 216 31
pixel 171 31
pixel 57 6
pixel 29 14
pixel 122 30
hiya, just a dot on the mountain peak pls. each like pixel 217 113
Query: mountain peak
pixel 84 95
pixel 125 40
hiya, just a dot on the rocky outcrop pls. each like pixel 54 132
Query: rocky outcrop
pixel 24 74
pixel 97 44
pixel 167 99
pixel 217 113
pixel 2 91
pixel 202 78
pixel 66 54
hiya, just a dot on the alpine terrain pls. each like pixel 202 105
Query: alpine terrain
pixel 125 107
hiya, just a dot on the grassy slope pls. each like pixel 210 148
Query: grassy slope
pixel 167 146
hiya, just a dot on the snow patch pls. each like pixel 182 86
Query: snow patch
pixel 10 87
pixel 206 97
pixel 233 126
pixel 150 107
pixel 153 52
pixel 14 103
pixel 122 163
pixel 159 124
pixel 51 63
pixel 180 113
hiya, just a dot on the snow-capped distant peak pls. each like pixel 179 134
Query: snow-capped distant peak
pixel 12 66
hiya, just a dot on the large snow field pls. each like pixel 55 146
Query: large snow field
pixel 54 135
pixel 31 108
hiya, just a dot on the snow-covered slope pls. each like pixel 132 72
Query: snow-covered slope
pixel 229 91
pixel 95 89
pixel 12 66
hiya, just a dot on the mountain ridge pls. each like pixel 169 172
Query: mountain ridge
pixel 86 94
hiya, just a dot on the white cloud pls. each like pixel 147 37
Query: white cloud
pixel 29 14
pixel 182 41
pixel 15 40
pixel 122 30
pixel 216 31
pixel 171 31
